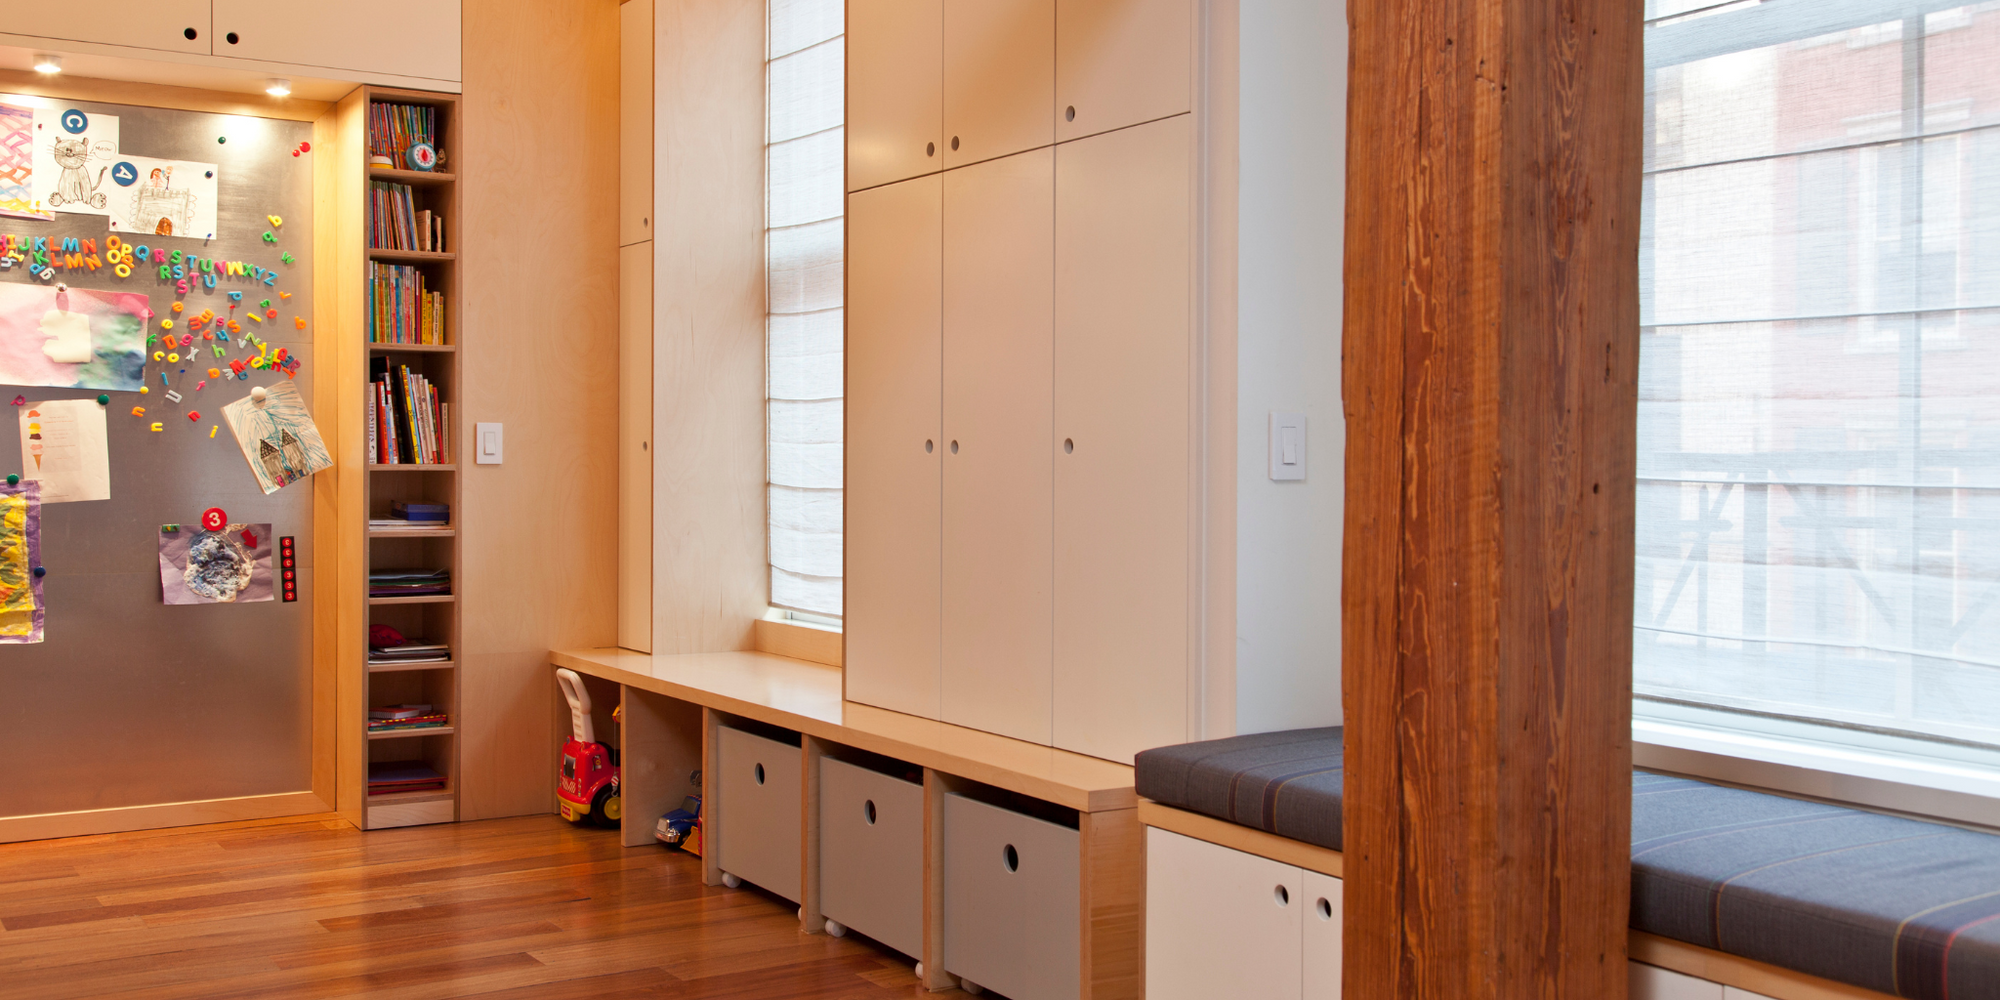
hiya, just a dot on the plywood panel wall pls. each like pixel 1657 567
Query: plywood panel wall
pixel 539 193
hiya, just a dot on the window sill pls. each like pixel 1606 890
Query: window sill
pixel 1965 790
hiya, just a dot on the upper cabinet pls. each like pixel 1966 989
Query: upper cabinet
pixel 363 38
pixel 999 78
pixel 1121 62
pixel 366 41
pixel 635 122
pixel 895 90
pixel 167 25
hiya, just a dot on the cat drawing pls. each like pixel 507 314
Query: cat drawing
pixel 74 185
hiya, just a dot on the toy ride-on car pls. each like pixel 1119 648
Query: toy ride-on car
pixel 588 788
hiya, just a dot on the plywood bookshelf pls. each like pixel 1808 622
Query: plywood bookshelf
pixel 436 618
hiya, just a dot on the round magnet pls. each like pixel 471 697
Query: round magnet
pixel 103 400
pixel 75 122
pixel 214 519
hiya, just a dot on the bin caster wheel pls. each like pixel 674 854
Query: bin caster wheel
pixel 920 972
pixel 836 929
pixel 730 880
pixel 970 987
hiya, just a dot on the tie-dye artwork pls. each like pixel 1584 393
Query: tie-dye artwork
pixel 21 606
pixel 17 164
pixel 75 339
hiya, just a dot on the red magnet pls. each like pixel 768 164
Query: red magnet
pixel 214 519
pixel 195 416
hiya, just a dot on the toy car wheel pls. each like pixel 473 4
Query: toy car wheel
pixel 606 807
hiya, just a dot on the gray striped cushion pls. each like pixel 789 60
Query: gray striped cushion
pixel 1895 905
pixel 1283 783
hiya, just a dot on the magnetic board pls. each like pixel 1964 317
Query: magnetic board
pixel 128 701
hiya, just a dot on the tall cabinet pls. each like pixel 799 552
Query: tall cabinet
pixel 1021 362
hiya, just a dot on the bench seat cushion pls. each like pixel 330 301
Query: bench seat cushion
pixel 1896 905
pixel 1284 783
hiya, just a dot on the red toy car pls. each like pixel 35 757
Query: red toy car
pixel 588 788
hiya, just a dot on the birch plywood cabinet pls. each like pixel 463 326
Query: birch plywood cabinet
pixel 999 286
pixel 1122 375
pixel 1030 296
pixel 894 459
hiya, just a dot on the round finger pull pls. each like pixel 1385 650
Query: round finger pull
pixel 930 149
pixel 230 38
pixel 868 813
pixel 1282 896
pixel 190 34
pixel 1068 446
pixel 760 774
pixel 1011 858
pixel 954 144
pixel 954 447
pixel 1069 114
pixel 929 446
pixel 1325 907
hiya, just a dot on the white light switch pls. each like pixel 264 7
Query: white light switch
pixel 488 451
pixel 1288 446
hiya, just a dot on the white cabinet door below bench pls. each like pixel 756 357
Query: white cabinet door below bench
pixel 1220 923
pixel 1653 983
pixel 1322 936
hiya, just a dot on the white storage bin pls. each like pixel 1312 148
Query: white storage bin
pixel 871 853
pixel 1011 901
pixel 757 836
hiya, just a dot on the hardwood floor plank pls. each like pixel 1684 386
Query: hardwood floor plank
pixel 531 908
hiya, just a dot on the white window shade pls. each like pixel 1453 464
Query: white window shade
pixel 804 160
pixel 1819 424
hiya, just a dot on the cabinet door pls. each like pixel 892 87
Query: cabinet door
pixel 145 24
pixel 895 90
pixel 1122 440
pixel 759 827
pixel 1322 918
pixel 635 121
pixel 894 449
pixel 1649 982
pixel 635 452
pixel 349 36
pixel 1121 62
pixel 1219 923
pixel 999 78
pixel 998 310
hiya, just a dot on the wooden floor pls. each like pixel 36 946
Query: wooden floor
pixel 503 910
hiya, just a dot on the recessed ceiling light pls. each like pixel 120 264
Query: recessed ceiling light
pixel 48 63
pixel 278 88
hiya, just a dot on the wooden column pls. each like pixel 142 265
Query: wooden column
pixel 1490 369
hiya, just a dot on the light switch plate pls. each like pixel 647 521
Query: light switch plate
pixel 487 438
pixel 1288 446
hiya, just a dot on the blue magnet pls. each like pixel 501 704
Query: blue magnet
pixel 41 571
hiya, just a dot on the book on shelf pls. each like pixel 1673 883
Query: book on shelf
pixel 394 223
pixel 387 777
pixel 429 720
pixel 417 510
pixel 394 128
pixel 412 651
pixel 408 582
pixel 402 309
pixel 393 712
pixel 410 423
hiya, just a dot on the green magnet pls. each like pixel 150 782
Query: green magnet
pixel 103 400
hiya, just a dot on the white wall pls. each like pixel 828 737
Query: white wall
pixel 1292 191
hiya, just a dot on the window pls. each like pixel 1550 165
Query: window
pixel 1819 417
pixel 805 93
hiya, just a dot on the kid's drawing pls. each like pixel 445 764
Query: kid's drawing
pixel 164 197
pixel 278 437
pixel 79 338
pixel 74 152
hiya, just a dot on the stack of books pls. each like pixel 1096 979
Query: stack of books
pixel 404 514
pixel 395 222
pixel 397 718
pixel 411 651
pixel 408 582
pixel 409 423
pixel 401 309
pixel 394 128
pixel 388 777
